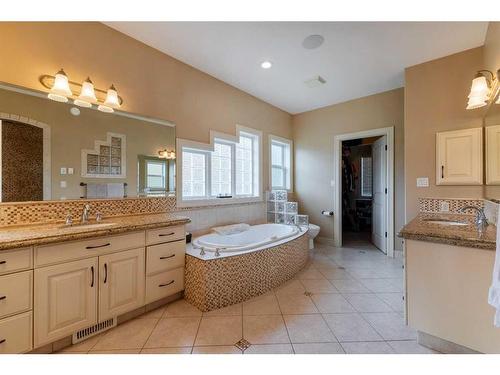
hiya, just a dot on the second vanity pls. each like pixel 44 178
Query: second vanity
pixel 449 268
pixel 57 281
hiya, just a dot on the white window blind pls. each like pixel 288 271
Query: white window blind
pixel 221 169
pixel 366 177
pixel 193 174
pixel 155 174
pixel 280 164
pixel 244 166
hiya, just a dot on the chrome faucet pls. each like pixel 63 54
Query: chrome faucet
pixel 480 221
pixel 85 214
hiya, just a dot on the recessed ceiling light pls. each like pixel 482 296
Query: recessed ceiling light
pixel 313 41
pixel 266 64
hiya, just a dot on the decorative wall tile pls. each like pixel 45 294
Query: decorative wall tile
pixel 434 204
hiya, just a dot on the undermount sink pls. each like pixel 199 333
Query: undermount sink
pixel 89 226
pixel 445 222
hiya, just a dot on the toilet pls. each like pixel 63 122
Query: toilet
pixel 312 232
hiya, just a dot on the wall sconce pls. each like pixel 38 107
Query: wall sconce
pixel 167 154
pixel 61 89
pixel 484 87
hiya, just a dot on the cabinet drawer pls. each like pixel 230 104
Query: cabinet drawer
pixel 165 256
pixel 63 252
pixel 16 334
pixel 16 293
pixel 167 234
pixel 16 260
pixel 164 284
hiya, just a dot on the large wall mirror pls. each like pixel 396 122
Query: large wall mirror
pixel 492 143
pixel 52 151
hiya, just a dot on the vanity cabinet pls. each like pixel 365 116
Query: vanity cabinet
pixel 459 157
pixel 65 299
pixel 121 283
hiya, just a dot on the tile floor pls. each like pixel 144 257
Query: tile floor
pixel 346 300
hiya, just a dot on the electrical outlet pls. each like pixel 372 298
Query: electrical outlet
pixel 63 170
pixel 444 206
pixel 71 171
pixel 422 182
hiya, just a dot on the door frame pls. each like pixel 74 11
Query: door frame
pixel 337 183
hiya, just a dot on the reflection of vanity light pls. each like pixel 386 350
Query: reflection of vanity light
pixel 167 154
pixel 87 95
pixel 105 108
pixel 481 89
pixel 60 91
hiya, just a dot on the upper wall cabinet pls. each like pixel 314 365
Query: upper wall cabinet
pixel 459 157
pixel 493 155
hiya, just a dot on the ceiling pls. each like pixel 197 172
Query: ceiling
pixel 356 59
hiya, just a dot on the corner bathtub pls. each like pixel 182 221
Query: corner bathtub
pixel 250 264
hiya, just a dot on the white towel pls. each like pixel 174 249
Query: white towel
pixel 494 293
pixel 115 190
pixel 95 190
pixel 231 229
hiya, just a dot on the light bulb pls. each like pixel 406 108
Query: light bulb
pixel 87 95
pixel 112 99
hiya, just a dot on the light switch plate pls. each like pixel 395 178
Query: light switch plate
pixel 63 170
pixel 71 171
pixel 444 206
pixel 422 182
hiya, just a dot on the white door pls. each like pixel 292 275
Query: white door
pixel 379 210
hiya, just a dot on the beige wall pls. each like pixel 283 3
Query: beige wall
pixel 313 134
pixel 151 83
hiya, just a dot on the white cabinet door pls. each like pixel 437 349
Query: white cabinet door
pixel 122 282
pixel 459 157
pixel 493 155
pixel 65 299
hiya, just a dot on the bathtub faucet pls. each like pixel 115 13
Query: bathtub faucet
pixel 217 253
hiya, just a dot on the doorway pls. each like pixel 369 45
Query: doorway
pixel 364 189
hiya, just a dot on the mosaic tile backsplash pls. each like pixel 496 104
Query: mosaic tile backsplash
pixel 454 204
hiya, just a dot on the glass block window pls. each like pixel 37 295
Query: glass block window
pixel 221 169
pixel 194 174
pixel 245 166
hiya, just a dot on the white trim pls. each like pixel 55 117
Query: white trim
pixel 337 205
pixel 289 142
pixel 47 154
pixel 209 147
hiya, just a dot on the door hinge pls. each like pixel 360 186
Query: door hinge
pixel 385 234
pixel 385 147
pixel 386 190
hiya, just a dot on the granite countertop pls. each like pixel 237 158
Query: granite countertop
pixel 28 235
pixel 464 235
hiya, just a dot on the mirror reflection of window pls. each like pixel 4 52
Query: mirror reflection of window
pixel 156 175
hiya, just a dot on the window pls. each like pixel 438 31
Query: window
pixel 366 177
pixel 155 175
pixel 194 168
pixel 230 171
pixel 281 155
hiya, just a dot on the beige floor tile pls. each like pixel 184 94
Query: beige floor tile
pixel 410 347
pixel 232 310
pixel 349 286
pixel 181 308
pixel 116 351
pixel 383 285
pixel 367 303
pixel 308 328
pixel 367 348
pixel 310 274
pixel 319 286
pixel 318 348
pixel 153 314
pixel 394 300
pixel 219 330
pixel 83 346
pixel 390 326
pixel 223 349
pixel 332 303
pixel 270 349
pixel 184 350
pixel 296 304
pixel 265 329
pixel 290 287
pixel 130 335
pixel 266 304
pixel 351 327
pixel 173 332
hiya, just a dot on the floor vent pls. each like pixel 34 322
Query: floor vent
pixel 85 333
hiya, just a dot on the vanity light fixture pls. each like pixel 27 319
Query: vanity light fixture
pixel 167 154
pixel 483 88
pixel 87 95
pixel 60 90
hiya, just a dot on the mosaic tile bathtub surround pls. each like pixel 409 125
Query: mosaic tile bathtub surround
pixel 216 283
pixel 454 204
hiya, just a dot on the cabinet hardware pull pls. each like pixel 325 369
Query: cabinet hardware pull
pixel 3 261
pixel 3 297
pixel 2 341
pixel 92 270
pixel 170 256
pixel 166 234
pixel 105 272
pixel 442 171
pixel 97 246
pixel 167 284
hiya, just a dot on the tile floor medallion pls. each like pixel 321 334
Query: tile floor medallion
pixel 362 314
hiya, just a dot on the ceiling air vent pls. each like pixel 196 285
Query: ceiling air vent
pixel 315 82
